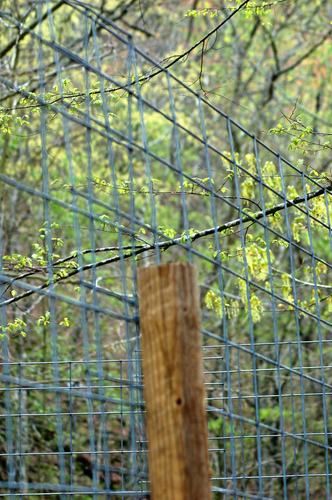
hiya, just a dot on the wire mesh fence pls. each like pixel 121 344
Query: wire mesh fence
pixel 110 162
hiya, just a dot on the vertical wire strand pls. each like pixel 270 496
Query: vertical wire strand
pixel 319 338
pixel 71 427
pixel 84 321
pixel 178 163
pixel 297 326
pixel 148 171
pixel 120 235
pixel 6 370
pixel 274 318
pixel 49 253
pixel 220 280
pixel 134 369
pixel 248 298
pixel 92 242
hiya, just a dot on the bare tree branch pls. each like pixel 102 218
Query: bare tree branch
pixel 27 30
pixel 148 76
pixel 165 245
pixel 291 67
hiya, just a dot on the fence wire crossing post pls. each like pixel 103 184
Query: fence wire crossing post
pixel 173 382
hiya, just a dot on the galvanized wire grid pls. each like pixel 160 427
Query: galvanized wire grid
pixel 72 410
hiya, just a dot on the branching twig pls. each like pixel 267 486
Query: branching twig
pixel 27 30
pixel 144 78
pixel 164 245
pixel 292 66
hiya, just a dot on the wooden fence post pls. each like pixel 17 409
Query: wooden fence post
pixel 173 382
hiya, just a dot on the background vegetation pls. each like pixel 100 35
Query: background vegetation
pixel 67 193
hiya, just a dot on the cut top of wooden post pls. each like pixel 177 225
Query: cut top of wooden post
pixel 173 382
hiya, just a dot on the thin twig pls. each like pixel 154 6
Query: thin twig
pixel 165 245
pixel 146 77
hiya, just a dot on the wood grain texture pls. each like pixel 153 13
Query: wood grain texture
pixel 173 382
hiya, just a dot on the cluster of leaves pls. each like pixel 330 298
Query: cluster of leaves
pixel 16 327
pixel 251 9
pixel 10 122
pixel 207 12
pixel 19 327
pixel 39 256
pixel 302 136
pixel 259 261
